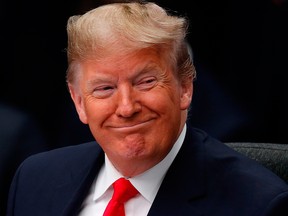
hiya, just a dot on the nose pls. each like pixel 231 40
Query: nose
pixel 127 103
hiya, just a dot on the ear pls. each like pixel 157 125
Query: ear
pixel 186 94
pixel 78 100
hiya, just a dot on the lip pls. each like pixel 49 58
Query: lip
pixel 127 127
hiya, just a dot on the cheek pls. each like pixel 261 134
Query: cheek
pixel 163 102
pixel 98 110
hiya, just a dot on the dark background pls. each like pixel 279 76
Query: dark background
pixel 240 52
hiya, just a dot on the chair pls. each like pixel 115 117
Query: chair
pixel 274 156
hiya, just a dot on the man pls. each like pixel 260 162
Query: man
pixel 130 77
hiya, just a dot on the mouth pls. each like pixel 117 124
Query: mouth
pixel 132 126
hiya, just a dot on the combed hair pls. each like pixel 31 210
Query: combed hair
pixel 135 26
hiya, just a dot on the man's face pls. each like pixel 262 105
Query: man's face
pixel 134 106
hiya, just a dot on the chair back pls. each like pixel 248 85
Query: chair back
pixel 274 156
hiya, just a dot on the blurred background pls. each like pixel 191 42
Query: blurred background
pixel 240 54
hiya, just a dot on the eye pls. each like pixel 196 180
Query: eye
pixel 103 91
pixel 147 83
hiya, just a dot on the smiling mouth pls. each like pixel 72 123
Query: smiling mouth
pixel 132 126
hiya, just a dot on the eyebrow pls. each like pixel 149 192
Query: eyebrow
pixel 98 78
pixel 148 68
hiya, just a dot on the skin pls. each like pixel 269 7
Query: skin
pixel 135 107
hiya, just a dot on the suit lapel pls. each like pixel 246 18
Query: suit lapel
pixel 184 183
pixel 82 178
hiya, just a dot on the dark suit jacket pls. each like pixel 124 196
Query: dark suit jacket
pixel 206 178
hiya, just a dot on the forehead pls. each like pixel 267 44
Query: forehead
pixel 134 61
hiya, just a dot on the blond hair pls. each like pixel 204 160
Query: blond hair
pixel 133 26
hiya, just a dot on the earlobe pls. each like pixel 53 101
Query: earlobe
pixel 186 94
pixel 78 102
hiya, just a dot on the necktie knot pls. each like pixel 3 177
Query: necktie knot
pixel 123 191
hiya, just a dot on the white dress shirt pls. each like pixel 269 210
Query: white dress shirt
pixel 146 183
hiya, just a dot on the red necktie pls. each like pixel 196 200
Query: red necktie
pixel 123 191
